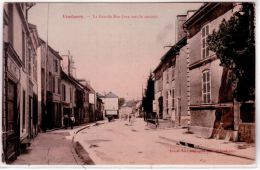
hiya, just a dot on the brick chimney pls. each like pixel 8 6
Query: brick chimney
pixel 180 33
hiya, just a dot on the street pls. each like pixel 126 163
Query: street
pixel 120 142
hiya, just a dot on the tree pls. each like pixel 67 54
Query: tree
pixel 121 102
pixel 147 102
pixel 234 45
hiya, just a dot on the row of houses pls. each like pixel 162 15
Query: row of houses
pixel 39 85
pixel 131 108
pixel 191 88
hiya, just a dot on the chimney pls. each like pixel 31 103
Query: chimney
pixel 190 13
pixel 180 33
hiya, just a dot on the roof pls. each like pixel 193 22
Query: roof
pixel 176 48
pixel 203 10
pixel 90 88
pixel 158 67
pixel 111 95
pixel 56 53
pixel 74 81
pixel 173 51
pixel 100 95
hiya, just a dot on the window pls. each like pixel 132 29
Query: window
pixel 56 65
pixel 11 107
pixel 204 36
pixel 166 101
pixel 54 81
pixel 160 84
pixel 58 86
pixel 167 76
pixel 71 95
pixel 50 82
pixel 63 92
pixel 173 73
pixel 34 68
pixel 23 47
pixel 173 99
pixel 23 119
pixel 29 63
pixel 206 87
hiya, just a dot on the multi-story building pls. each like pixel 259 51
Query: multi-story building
pixel 53 116
pixel 99 108
pixel 33 56
pixel 67 95
pixel 211 103
pixel 171 81
pixel 19 114
pixel 75 94
pixel 42 84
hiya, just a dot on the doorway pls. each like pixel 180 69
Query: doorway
pixel 12 127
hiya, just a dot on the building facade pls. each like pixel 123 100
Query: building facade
pixel 52 85
pixel 111 105
pixel 212 108
pixel 170 77
pixel 19 114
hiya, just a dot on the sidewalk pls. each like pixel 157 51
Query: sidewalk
pixel 51 148
pixel 55 147
pixel 239 149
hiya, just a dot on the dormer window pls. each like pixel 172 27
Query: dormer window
pixel 204 45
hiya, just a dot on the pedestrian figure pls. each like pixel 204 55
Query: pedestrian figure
pixel 72 120
pixel 66 121
pixel 44 120
pixel 156 120
pixel 129 117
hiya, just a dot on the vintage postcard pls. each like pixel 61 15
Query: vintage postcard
pixel 128 83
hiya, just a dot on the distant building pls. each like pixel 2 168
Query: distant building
pixel 100 109
pixel 111 104
pixel 128 108
pixel 92 101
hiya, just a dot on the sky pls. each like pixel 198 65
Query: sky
pixel 114 45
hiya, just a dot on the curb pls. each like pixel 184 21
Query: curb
pixel 79 149
pixel 191 145
pixel 83 154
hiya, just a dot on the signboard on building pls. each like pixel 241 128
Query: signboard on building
pixel 92 98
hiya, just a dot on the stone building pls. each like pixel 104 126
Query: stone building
pixel 99 108
pixel 170 76
pixel 210 95
pixel 51 87
pixel 75 93
pixel 19 107
pixel 33 51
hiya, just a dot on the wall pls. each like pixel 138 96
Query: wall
pixel 202 120
pixel 181 97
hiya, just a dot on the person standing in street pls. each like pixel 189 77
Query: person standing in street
pixel 129 118
pixel 66 121
pixel 156 120
pixel 72 120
